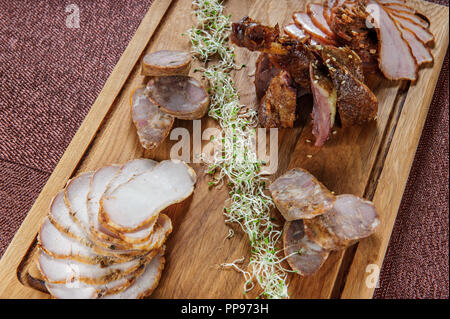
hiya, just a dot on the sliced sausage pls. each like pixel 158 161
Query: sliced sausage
pixel 181 96
pixel 298 194
pixel 303 255
pixel 166 62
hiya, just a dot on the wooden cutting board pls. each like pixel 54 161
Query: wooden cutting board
pixel 371 161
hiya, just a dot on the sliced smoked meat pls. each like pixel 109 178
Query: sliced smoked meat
pixel 350 219
pixel 422 33
pixel 180 96
pixel 60 271
pixel 316 13
pixel 303 21
pixel 265 71
pixel 303 255
pixel 138 202
pixel 295 32
pixel 413 17
pixel 396 60
pixel 59 245
pixel 75 195
pixel 166 62
pixel 298 194
pixel 144 285
pixel 420 51
pixel 324 108
pixel 152 124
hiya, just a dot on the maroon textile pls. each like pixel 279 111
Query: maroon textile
pixel 50 76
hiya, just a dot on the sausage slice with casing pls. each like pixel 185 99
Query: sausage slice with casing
pixel 181 96
pixel 166 62
pixel 152 124
pixel 298 194
pixel 350 219
pixel 303 255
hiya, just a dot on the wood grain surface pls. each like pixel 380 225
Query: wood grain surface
pixel 371 161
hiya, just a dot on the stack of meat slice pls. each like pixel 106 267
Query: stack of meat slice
pixel 317 221
pixel 288 68
pixel 170 93
pixel 384 33
pixel 105 232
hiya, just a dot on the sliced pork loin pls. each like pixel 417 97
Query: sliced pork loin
pixel 277 109
pixel 138 202
pixel 60 271
pixel 75 195
pixel 146 283
pixel 303 255
pixel 295 32
pixel 350 220
pixel 396 60
pixel 166 62
pixel 59 245
pixel 422 33
pixel 265 71
pixel 324 108
pixel 152 124
pixel 411 16
pixel 298 194
pixel 304 22
pixel 180 96
pixel 105 180
pixel 316 13
pixel 420 51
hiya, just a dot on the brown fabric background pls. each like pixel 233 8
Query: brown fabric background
pixel 50 76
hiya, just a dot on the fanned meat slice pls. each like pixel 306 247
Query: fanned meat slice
pixel 152 124
pixel 421 52
pixel 146 283
pixel 356 103
pixel 396 61
pixel 413 17
pixel 422 33
pixel 277 109
pixel 298 194
pixel 316 13
pixel 327 5
pixel 75 195
pixel 138 202
pixel 106 180
pixel 81 290
pixel 397 7
pixel 303 21
pixel 264 73
pixel 295 32
pixel 59 245
pixel 60 217
pixel 303 255
pixel 180 96
pixel 350 220
pixel 324 108
pixel 63 271
pixel 166 62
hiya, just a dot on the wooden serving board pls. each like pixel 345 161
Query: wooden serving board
pixel 371 161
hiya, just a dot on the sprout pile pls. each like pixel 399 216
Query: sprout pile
pixel 237 164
